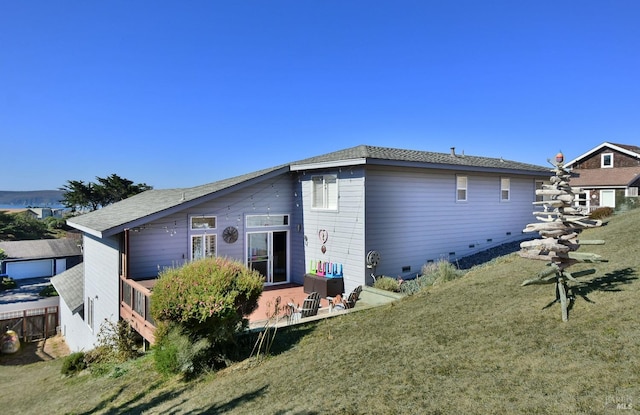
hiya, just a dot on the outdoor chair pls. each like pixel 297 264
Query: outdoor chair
pixel 310 307
pixel 344 304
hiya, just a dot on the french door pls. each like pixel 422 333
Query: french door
pixel 267 254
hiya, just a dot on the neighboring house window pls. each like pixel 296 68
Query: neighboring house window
pixel 203 222
pixel 203 246
pixel 325 192
pixel 90 312
pixel 632 192
pixel 505 189
pixel 461 188
pixel 582 199
pixel 606 160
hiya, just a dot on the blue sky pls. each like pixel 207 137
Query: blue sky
pixel 178 94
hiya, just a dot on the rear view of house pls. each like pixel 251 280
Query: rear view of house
pixel 357 213
pixel 607 174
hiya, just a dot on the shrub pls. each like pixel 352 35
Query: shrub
pixel 416 285
pixel 446 271
pixel 7 283
pixel 48 291
pixel 387 284
pixel 432 273
pixel 116 343
pixel 627 203
pixel 73 364
pixel 175 353
pixel 208 298
pixel 601 213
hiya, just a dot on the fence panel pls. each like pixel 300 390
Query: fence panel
pixel 33 324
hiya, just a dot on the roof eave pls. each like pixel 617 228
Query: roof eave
pixel 328 164
pixel 459 167
pixel 181 206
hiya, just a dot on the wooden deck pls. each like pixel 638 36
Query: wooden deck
pixel 288 293
pixel 136 296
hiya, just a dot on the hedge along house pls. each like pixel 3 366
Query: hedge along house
pixel 368 210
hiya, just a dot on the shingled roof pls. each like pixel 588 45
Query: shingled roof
pixel 41 248
pixel 153 204
pixel 620 176
pixel 70 285
pixel 420 159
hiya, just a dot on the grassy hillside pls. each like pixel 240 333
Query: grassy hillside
pixel 481 344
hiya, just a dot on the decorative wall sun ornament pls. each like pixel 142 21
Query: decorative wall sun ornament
pixel 230 234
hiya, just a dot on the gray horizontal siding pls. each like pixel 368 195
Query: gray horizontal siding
pixel 345 226
pixel 413 216
pixel 102 282
pixel 166 242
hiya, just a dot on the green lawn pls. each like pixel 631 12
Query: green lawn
pixel 481 344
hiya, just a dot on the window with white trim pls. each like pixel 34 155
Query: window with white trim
pixel 581 199
pixel 505 189
pixel 324 192
pixel 632 192
pixel 606 160
pixel 202 222
pixel 254 221
pixel 203 246
pixel 89 314
pixel 461 188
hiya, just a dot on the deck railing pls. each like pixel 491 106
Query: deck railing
pixel 135 307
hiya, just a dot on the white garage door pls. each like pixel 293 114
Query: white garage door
pixel 30 269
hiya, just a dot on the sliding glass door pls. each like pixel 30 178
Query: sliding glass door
pixel 267 254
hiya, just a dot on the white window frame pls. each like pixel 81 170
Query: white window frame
pixel 462 188
pixel 505 189
pixel 603 156
pixel 90 313
pixel 582 199
pixel 207 242
pixel 631 192
pixel 205 222
pixel 328 199
pixel 266 221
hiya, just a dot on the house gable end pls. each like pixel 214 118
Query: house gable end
pixel 156 204
pixel 623 156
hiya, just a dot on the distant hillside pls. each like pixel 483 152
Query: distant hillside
pixel 33 198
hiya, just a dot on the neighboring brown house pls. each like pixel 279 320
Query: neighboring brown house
pixel 607 174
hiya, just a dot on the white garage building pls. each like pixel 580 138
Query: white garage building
pixel 39 258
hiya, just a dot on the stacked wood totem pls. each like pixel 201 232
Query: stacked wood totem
pixel 559 225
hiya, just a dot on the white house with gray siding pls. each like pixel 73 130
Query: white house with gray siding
pixel 370 210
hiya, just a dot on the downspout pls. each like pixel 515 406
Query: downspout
pixel 125 259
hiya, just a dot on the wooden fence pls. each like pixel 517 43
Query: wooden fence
pixel 32 324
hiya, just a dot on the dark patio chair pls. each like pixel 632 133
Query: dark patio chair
pixel 340 303
pixel 310 307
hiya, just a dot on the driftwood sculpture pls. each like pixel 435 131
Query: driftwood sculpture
pixel 559 225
